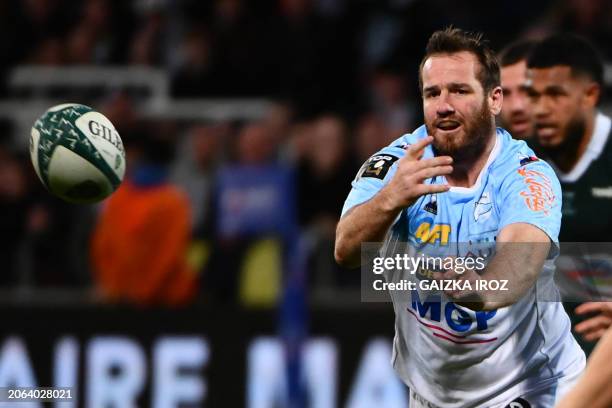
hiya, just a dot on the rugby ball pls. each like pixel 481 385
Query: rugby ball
pixel 77 153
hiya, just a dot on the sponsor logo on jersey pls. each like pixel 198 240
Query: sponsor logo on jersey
pixel 483 207
pixel 377 166
pixel 538 194
pixel 602 192
pixel 458 319
pixel 432 205
pixel 403 146
pixel 432 234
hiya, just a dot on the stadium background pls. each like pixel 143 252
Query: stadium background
pixel 261 112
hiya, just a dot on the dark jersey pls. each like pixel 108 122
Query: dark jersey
pixel 587 191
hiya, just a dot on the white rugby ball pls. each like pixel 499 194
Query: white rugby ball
pixel 77 153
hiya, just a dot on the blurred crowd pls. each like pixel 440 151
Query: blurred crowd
pixel 230 195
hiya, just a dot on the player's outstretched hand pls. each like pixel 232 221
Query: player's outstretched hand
pixel 594 327
pixel 407 184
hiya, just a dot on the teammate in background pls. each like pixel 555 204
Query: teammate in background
pixel 474 183
pixel 566 82
pixel 593 389
pixel 516 116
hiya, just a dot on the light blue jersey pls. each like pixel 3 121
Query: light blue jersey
pixel 455 357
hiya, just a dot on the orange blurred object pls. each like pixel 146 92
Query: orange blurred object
pixel 139 246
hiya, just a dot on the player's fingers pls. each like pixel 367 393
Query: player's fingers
pixel 596 335
pixel 423 189
pixel 434 162
pixel 589 307
pixel 415 151
pixel 594 323
pixel 432 172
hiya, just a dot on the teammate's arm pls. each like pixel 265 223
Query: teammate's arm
pixel 370 221
pixel 594 327
pixel 593 389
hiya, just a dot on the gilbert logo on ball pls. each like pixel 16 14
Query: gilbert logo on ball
pixel 77 153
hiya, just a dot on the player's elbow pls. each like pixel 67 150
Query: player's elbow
pixel 343 254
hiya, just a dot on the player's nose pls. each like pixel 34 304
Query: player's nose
pixel 445 110
pixel 443 106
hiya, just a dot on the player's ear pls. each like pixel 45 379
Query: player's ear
pixel 496 99
pixel 592 94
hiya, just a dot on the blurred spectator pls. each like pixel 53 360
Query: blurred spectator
pixel 327 165
pixel 200 153
pixel 255 145
pixel 278 121
pixel 298 143
pixel 42 238
pixel 323 183
pixel 388 94
pixel 254 220
pixel 372 135
pixel 139 245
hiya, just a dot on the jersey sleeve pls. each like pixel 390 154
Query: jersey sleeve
pixel 531 194
pixel 378 170
pixel 373 175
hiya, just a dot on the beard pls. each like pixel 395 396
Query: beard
pixel 574 131
pixel 469 144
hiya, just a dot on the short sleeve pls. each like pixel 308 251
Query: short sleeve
pixel 367 183
pixel 531 194
pixel 378 170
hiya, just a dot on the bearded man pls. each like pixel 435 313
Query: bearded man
pixel 455 184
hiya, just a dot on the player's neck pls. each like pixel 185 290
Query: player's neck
pixel 568 156
pixel 466 172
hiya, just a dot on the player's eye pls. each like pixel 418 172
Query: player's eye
pixel 534 96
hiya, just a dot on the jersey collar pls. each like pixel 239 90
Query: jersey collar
pixel 492 156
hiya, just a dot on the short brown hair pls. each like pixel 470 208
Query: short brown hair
pixel 453 40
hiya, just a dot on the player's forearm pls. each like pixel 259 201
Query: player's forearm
pixel 593 390
pixel 517 264
pixel 368 222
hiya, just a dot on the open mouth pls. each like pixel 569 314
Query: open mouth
pixel 448 125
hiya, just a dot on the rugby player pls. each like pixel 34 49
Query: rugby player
pixel 461 177
pixel 593 389
pixel 565 87
pixel 515 115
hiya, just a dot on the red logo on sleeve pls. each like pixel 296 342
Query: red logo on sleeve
pixel 538 194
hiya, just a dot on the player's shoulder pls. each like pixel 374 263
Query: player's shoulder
pixel 515 159
pixel 378 164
